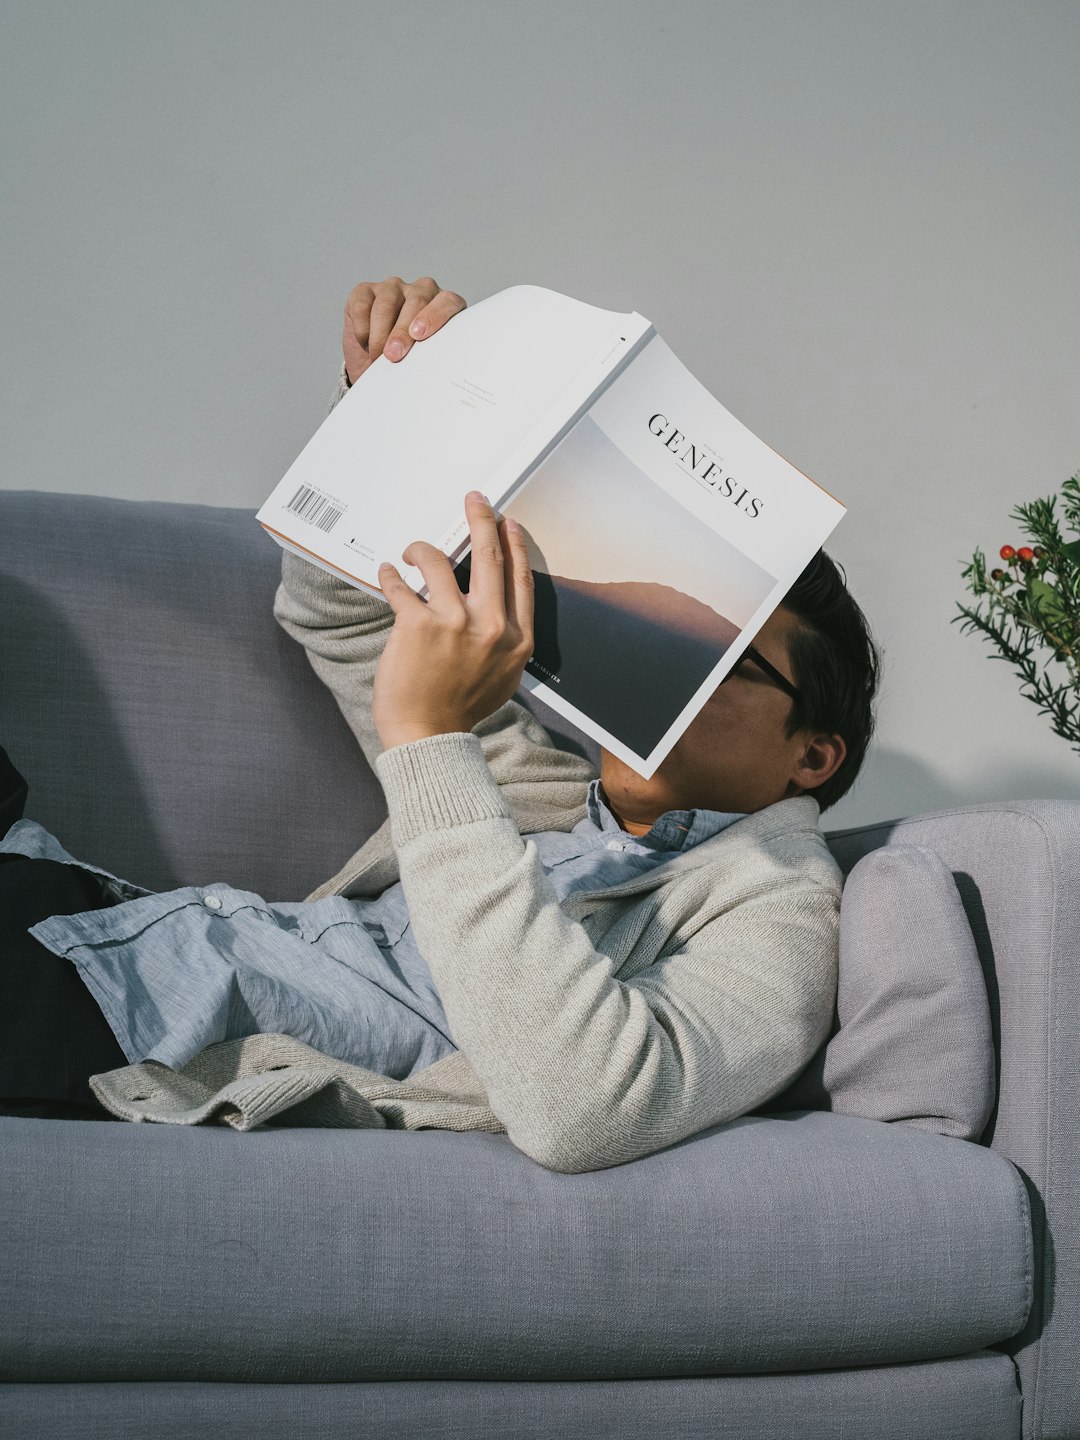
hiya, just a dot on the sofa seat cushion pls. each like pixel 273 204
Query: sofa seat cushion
pixel 797 1242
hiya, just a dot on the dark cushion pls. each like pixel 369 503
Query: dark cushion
pixel 807 1242
pixel 911 1039
pixel 13 791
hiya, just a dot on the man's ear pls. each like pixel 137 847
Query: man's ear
pixel 819 762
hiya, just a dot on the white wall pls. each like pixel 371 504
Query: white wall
pixel 855 221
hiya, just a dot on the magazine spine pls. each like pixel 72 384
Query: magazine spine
pixel 575 401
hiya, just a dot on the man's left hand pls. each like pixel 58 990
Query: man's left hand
pixel 452 661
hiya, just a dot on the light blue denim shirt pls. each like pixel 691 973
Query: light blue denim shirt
pixel 177 971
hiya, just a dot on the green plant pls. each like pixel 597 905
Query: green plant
pixel 1030 609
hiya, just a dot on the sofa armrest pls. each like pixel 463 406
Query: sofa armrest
pixel 1017 867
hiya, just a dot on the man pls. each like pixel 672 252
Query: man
pixel 622 1018
pixel 598 965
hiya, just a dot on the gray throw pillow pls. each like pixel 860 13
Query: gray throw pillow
pixel 912 1039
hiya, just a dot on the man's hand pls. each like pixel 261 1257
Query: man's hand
pixel 453 661
pixel 384 314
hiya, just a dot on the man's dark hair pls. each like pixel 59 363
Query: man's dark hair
pixel 836 666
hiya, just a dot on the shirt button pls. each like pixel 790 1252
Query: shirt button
pixel 212 902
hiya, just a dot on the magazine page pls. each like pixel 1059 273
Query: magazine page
pixel 394 459
pixel 662 533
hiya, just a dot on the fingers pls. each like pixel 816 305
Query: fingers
pixel 501 583
pixel 487 592
pixel 387 302
pixel 520 584
pixel 394 588
pixel 424 320
pixel 383 316
pixel 426 309
pixel 443 590
pixel 501 575
pixel 354 334
pixel 488 565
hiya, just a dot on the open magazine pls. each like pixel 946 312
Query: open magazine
pixel 661 532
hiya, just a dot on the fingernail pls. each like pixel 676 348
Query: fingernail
pixel 395 350
pixel 479 495
pixel 417 328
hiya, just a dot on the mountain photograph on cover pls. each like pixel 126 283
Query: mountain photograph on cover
pixel 636 599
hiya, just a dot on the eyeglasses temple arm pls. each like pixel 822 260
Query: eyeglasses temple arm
pixel 759 660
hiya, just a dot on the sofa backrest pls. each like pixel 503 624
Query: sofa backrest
pixel 173 734
pixel 169 730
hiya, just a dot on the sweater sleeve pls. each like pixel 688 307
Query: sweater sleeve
pixel 586 1071
pixel 344 385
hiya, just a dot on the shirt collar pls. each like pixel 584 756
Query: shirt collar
pixel 674 830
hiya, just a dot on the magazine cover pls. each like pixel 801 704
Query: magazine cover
pixel 662 533
pixel 474 405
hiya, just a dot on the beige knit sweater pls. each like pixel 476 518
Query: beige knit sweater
pixel 592 1031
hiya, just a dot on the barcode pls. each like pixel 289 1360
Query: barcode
pixel 314 508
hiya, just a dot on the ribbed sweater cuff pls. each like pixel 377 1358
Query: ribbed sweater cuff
pixel 438 782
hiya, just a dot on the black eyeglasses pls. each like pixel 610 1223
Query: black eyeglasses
pixel 756 658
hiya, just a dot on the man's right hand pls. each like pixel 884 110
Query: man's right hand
pixel 382 314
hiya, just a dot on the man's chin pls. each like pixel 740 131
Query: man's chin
pixel 626 792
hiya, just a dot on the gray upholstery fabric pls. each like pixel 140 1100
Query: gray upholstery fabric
pixel 168 728
pixel 200 726
pixel 973 1398
pixel 171 732
pixel 1016 864
pixel 912 1040
pixel 812 1241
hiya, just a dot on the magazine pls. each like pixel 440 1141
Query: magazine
pixel 662 533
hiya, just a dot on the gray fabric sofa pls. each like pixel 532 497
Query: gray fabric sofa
pixel 794 1273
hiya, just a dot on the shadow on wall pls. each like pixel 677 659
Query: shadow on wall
pixel 895 784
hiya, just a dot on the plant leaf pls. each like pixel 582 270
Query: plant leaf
pixel 1047 603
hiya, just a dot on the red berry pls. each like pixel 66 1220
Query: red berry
pixel 1026 553
pixel 1007 552
pixel 997 574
